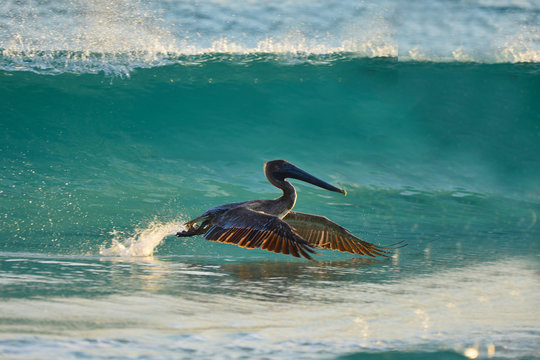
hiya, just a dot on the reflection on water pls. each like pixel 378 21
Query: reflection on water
pixel 267 308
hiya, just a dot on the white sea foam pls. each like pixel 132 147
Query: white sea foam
pixel 142 242
pixel 116 37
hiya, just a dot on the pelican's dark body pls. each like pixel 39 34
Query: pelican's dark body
pixel 271 225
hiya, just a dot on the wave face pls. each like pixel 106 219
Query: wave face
pixel 99 36
pixel 120 121
pixel 83 154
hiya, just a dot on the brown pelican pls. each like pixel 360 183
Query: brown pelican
pixel 271 225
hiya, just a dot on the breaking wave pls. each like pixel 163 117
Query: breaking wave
pixel 116 38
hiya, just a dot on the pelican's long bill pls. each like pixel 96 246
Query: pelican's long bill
pixel 291 171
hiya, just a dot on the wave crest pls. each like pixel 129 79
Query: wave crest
pixel 91 36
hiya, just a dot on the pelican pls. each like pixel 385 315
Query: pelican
pixel 271 225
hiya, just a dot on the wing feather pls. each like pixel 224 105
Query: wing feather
pixel 244 237
pixel 251 229
pixel 252 237
pixel 285 246
pixel 258 238
pixel 267 244
pixel 293 250
pixel 326 234
pixel 346 245
pixel 279 244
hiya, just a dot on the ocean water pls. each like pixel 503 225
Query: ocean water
pixel 121 121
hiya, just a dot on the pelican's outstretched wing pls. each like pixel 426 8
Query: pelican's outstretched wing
pixel 326 234
pixel 253 229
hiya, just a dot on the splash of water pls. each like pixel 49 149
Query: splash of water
pixel 142 242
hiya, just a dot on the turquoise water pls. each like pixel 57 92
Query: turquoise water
pixel 104 155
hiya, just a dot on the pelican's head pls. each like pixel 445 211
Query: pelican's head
pixel 280 170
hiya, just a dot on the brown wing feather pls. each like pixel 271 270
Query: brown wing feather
pixel 251 229
pixel 326 234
